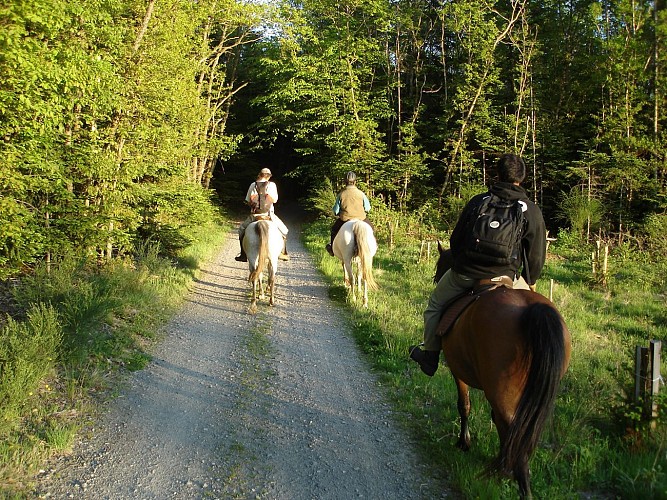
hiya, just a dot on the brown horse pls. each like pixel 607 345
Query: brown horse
pixel 514 346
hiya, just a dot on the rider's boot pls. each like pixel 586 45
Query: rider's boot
pixel 284 255
pixel 329 249
pixel 428 360
pixel 242 257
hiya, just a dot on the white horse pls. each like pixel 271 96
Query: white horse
pixel 355 246
pixel 262 243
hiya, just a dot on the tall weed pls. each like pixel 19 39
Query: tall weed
pixel 28 352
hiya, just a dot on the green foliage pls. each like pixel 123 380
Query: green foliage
pixel 108 130
pixel 322 199
pixel 580 210
pixel 655 229
pixel 84 324
pixel 170 213
pixel 28 352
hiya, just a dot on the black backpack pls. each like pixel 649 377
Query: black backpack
pixel 264 202
pixel 495 232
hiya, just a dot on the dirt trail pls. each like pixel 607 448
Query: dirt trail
pixel 276 405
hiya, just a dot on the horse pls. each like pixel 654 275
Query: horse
pixel 262 243
pixel 514 346
pixel 355 246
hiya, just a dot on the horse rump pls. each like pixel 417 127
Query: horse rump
pixel 547 355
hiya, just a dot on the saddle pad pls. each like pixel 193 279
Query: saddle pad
pixel 460 303
pixel 453 311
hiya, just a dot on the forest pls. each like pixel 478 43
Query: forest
pixel 127 127
pixel 117 115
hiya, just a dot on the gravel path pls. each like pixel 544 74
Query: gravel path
pixel 276 405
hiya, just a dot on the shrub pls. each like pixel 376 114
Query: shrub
pixel 655 228
pixel 28 351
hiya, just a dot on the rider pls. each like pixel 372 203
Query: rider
pixel 252 199
pixel 351 203
pixel 511 171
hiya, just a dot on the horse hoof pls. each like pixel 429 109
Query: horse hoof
pixel 463 446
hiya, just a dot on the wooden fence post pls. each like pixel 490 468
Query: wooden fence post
pixel 647 380
pixel 654 349
pixel 391 234
pixel 641 371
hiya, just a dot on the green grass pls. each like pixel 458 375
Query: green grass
pixel 593 445
pixel 87 324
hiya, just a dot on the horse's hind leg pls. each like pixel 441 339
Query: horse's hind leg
pixel 522 476
pixel 272 286
pixel 520 472
pixel 463 405
pixel 347 276
pixel 253 303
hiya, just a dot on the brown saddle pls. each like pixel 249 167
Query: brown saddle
pixel 257 217
pixel 459 304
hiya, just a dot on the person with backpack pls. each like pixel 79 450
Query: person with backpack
pixel 498 233
pixel 351 203
pixel 261 196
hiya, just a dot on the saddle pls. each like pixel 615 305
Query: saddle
pixel 257 217
pixel 459 304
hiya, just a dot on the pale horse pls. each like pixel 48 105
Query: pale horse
pixel 355 246
pixel 262 243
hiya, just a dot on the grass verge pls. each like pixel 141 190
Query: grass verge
pixel 85 325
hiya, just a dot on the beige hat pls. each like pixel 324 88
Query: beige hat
pixel 265 171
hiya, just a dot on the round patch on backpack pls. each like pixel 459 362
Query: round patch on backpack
pixel 494 224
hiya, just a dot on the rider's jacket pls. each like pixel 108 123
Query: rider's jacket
pixel 351 203
pixel 533 241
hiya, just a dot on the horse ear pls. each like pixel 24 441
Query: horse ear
pixel 440 248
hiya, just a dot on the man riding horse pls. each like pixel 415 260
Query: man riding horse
pixel 261 196
pixel 351 203
pixel 470 267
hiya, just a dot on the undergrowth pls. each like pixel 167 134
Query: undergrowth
pixel 77 327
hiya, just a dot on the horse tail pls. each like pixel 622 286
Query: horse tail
pixel 262 231
pixel 360 230
pixel 547 354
